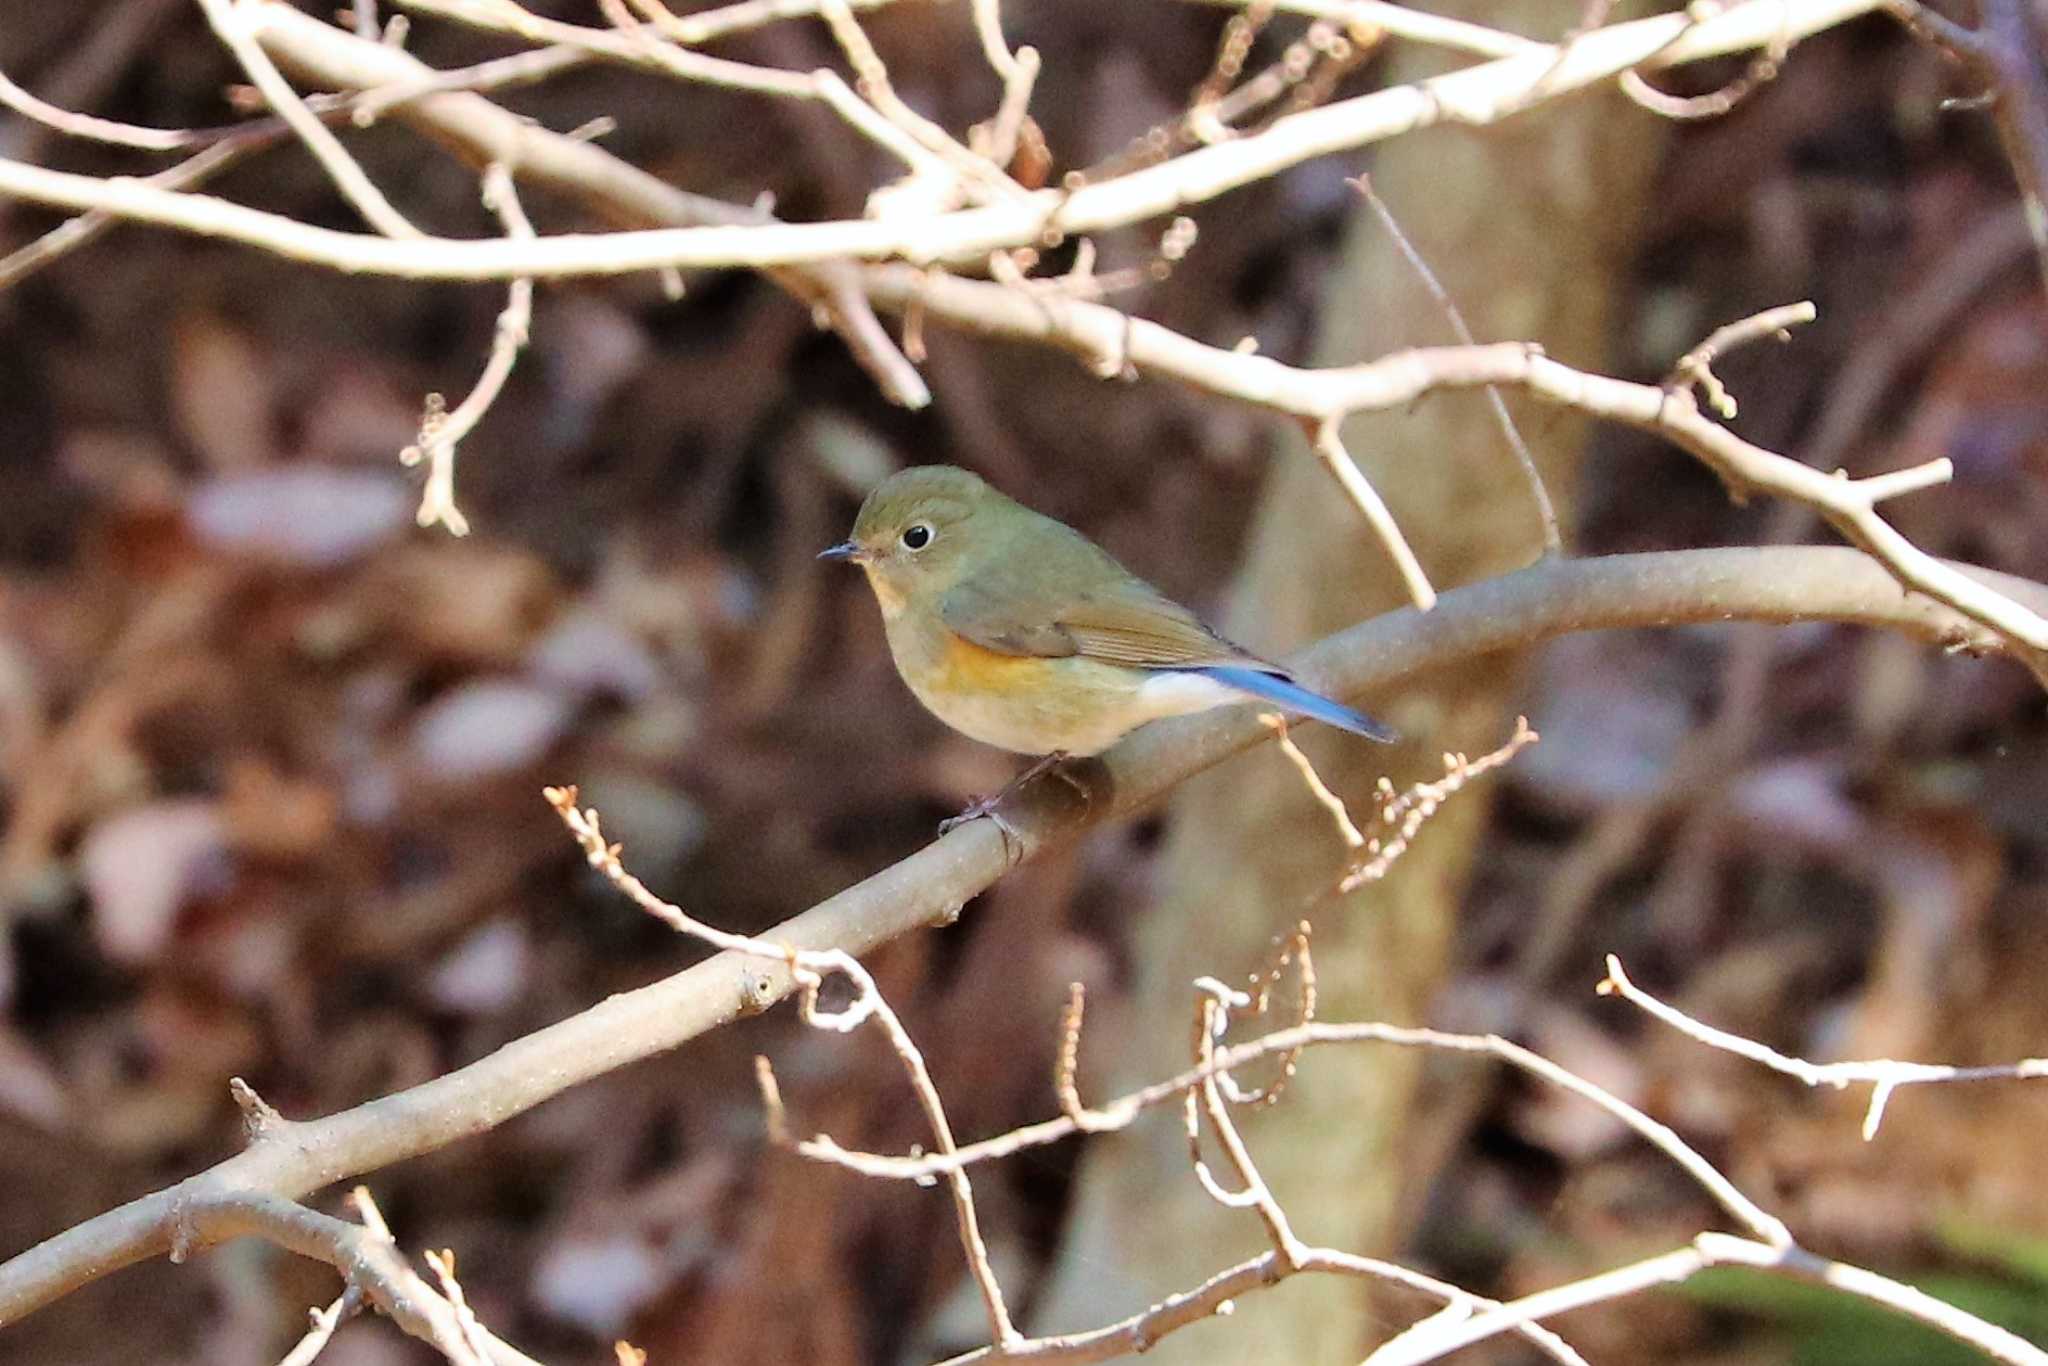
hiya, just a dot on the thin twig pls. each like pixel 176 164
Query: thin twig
pixel 521 68
pixel 988 27
pixel 474 1335
pixel 1882 1075
pixel 502 16
pixel 1212 1017
pixel 96 129
pixel 1293 950
pixel 325 1321
pixel 704 26
pixel 1133 1335
pixel 1126 1109
pixel 607 186
pixel 1432 1341
pixel 1546 510
pixel 1327 440
pixel 227 18
pixel 1340 815
pixel 1696 367
pixel 973 172
pixel 443 430
pixel 1763 68
pixel 365 1255
pixel 2003 54
pixel 808 968
pixel 1404 813
pixel 89 67
pixel 74 233
pixel 998 139
pixel 226 146
pixel 1473 95
pixel 1415 25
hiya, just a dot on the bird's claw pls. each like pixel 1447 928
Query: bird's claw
pixel 1013 842
pixel 989 808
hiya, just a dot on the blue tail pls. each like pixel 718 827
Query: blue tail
pixel 1290 694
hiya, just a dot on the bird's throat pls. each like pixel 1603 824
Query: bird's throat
pixel 885 594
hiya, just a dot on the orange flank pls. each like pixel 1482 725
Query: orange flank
pixel 966 667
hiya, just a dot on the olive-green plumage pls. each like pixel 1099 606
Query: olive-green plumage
pixel 1021 632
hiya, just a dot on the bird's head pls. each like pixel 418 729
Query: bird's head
pixel 921 531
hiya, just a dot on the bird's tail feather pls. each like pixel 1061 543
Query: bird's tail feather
pixel 1285 691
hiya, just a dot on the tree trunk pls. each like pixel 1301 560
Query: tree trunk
pixel 1530 226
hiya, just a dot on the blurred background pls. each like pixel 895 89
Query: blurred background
pixel 272 755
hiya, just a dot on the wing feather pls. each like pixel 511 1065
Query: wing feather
pixel 1131 623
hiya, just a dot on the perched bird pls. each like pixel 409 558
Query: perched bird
pixel 1019 631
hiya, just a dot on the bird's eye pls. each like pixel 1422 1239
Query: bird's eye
pixel 917 536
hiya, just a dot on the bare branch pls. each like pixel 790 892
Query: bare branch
pixel 365 1255
pixel 807 969
pixel 967 169
pixel 442 430
pixel 1514 610
pixel 229 20
pixel 2005 53
pixel 1328 442
pixel 988 27
pixel 229 145
pixel 1413 24
pixel 95 129
pixel 1325 394
pixel 1763 68
pixel 502 16
pixel 1399 379
pixel 1406 812
pixel 1546 511
pixel 325 1321
pixel 1340 815
pixel 615 190
pixel 704 26
pixel 1476 95
pixel 1126 1109
pixel 1138 1332
pixel 1882 1075
pixel 1431 1341
pixel 1695 367
pixel 1435 1338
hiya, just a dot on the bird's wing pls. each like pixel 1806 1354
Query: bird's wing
pixel 1129 623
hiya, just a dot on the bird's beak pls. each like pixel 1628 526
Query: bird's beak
pixel 845 550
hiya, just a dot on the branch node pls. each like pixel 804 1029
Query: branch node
pixel 259 1117
pixel 1695 367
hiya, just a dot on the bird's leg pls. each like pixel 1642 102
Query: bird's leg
pixel 986 806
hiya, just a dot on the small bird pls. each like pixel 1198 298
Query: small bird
pixel 1019 631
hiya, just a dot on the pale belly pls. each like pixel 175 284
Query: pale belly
pixel 1072 706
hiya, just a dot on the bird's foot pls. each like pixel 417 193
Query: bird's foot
pixel 975 810
pixel 986 807
pixel 989 807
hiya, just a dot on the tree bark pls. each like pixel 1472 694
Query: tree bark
pixel 1531 227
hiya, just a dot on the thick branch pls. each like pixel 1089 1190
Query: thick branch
pixel 1475 95
pixel 1105 337
pixel 930 886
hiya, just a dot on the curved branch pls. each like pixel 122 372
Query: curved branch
pixel 1097 333
pixel 365 1256
pixel 929 887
